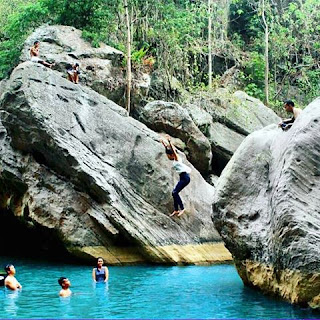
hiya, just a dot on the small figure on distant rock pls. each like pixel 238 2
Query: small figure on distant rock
pixel 184 180
pixel 34 55
pixel 100 273
pixel 287 123
pixel 65 285
pixel 73 71
pixel 10 281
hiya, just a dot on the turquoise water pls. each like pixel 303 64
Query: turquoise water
pixel 139 292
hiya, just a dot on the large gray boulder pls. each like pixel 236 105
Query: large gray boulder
pixel 101 68
pixel 95 178
pixel 226 119
pixel 266 209
pixel 171 118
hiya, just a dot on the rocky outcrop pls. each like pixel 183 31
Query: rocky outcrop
pixel 101 68
pixel 171 118
pixel 75 165
pixel 226 119
pixel 266 209
pixel 215 123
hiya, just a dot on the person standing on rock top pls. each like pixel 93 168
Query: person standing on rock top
pixel 34 55
pixel 183 171
pixel 287 123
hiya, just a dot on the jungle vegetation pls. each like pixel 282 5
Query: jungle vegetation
pixel 271 48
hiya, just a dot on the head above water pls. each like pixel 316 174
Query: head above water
pixel 100 261
pixel 9 269
pixel 64 282
pixel 37 42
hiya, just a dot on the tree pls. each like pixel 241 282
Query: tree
pixel 266 51
pixel 129 76
pixel 209 44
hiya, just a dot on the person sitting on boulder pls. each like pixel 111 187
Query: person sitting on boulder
pixel 34 55
pixel 287 123
pixel 184 180
pixel 73 71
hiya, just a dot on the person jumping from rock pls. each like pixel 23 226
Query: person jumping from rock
pixel 34 55
pixel 287 123
pixel 184 180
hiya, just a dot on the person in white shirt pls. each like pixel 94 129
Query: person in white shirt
pixel 287 123
pixel 183 171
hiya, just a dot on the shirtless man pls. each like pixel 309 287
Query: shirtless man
pixel 34 55
pixel 289 107
pixel 65 285
pixel 10 281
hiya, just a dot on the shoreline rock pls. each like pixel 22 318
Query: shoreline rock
pixel 80 168
pixel 266 208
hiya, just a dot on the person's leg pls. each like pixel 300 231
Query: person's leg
pixel 45 63
pixel 76 77
pixel 70 77
pixel 183 182
pixel 176 198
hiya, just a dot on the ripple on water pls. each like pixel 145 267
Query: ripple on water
pixel 139 292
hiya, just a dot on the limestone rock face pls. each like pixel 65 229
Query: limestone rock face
pixel 171 118
pixel 73 163
pixel 267 209
pixel 226 119
pixel 100 67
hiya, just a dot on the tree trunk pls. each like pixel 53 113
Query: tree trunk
pixel 129 76
pixel 209 44
pixel 266 54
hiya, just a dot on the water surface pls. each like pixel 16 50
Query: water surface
pixel 139 292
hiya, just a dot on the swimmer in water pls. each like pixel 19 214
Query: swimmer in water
pixel 100 273
pixel 65 285
pixel 10 281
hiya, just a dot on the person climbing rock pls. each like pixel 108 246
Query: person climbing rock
pixel 287 123
pixel 73 71
pixel 34 55
pixel 183 171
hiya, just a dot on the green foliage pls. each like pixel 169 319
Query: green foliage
pixel 174 33
pixel 19 25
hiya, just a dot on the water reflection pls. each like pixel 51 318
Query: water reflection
pixel 10 302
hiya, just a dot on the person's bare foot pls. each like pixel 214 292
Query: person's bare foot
pixel 181 212
pixel 173 213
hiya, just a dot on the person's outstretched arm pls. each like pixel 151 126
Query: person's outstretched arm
pixel 175 155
